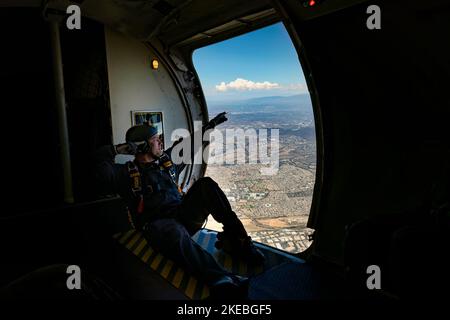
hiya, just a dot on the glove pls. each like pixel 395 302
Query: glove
pixel 220 118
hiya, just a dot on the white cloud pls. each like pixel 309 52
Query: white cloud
pixel 246 85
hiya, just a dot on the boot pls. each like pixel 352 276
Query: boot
pixel 241 247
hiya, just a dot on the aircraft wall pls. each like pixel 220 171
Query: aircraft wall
pixel 134 86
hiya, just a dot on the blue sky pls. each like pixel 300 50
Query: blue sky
pixel 258 64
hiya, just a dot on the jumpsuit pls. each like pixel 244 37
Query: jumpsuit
pixel 169 219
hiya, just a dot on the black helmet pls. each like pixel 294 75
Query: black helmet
pixel 139 135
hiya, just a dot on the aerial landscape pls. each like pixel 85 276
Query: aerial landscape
pixel 274 208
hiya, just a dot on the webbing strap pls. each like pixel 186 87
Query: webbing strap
pixel 167 165
pixel 136 184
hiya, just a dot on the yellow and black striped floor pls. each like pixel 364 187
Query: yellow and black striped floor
pixel 134 241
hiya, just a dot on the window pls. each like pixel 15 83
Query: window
pixel 257 79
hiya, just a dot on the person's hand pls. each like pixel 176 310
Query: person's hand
pixel 220 118
pixel 126 148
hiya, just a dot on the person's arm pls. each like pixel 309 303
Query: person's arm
pixel 220 118
pixel 107 173
pixel 214 122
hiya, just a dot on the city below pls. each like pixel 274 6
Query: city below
pixel 273 208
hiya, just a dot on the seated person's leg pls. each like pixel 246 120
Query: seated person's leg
pixel 172 239
pixel 205 197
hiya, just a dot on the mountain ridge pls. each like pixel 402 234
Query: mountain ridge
pixel 295 103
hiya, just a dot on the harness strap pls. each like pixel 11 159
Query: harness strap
pixel 136 181
pixel 136 185
pixel 130 219
pixel 168 166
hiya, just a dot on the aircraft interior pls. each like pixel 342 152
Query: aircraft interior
pixel 381 108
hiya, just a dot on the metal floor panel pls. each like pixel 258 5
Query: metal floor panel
pixel 191 287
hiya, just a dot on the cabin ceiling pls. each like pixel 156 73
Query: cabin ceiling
pixel 183 23
pixel 175 22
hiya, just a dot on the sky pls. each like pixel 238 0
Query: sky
pixel 258 64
